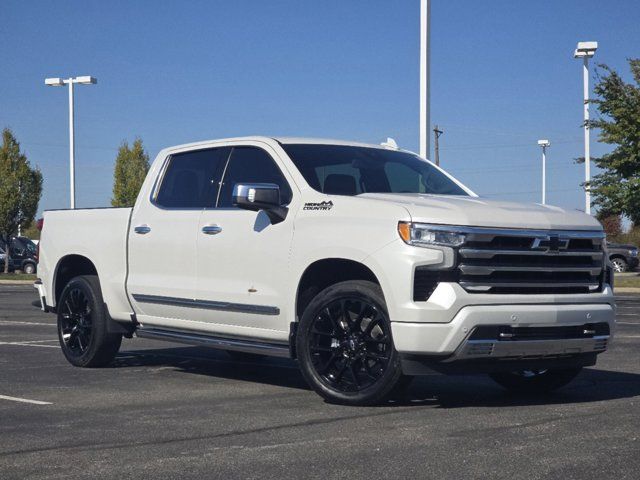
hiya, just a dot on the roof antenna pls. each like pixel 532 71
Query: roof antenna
pixel 390 143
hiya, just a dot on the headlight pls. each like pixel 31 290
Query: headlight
pixel 425 235
pixel 634 252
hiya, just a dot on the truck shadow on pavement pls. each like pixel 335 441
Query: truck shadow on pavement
pixel 592 385
pixel 458 391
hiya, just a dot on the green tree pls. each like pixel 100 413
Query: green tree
pixel 132 165
pixel 20 189
pixel 617 189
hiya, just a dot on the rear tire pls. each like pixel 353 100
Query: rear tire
pixel 344 345
pixel 82 324
pixel 535 381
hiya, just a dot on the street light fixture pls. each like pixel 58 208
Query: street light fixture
pixel 586 50
pixel 60 82
pixel 544 144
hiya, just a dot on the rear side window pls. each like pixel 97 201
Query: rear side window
pixel 251 165
pixel 191 179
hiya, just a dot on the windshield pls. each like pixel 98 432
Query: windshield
pixel 352 170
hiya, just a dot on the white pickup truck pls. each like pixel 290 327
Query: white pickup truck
pixel 366 263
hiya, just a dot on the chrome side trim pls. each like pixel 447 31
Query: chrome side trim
pixel 223 343
pixel 207 304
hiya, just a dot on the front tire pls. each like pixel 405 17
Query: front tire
pixel 82 324
pixel 535 381
pixel 344 345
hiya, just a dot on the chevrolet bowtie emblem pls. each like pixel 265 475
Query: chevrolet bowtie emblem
pixel 550 243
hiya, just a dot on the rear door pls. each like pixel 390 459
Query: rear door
pixel 163 234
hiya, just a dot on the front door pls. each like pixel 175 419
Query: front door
pixel 163 237
pixel 242 257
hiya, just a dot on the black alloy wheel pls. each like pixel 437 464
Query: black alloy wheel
pixel 345 347
pixel 350 344
pixel 76 322
pixel 83 324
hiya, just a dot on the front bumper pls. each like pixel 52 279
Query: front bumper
pixel 445 338
pixel 453 346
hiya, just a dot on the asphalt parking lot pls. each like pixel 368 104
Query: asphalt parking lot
pixel 170 411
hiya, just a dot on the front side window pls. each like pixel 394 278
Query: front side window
pixel 352 170
pixel 251 165
pixel 191 179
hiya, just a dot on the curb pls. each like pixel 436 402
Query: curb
pixel 16 282
pixel 626 289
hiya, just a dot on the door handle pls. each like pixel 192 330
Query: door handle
pixel 142 229
pixel 211 229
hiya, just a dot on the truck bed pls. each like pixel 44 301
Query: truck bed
pixel 99 234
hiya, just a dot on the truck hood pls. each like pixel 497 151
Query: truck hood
pixel 482 212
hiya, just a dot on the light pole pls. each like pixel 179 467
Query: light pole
pixel 586 50
pixel 544 144
pixel 425 133
pixel 60 82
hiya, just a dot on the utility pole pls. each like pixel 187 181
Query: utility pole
pixel 436 143
pixel 544 144
pixel 425 19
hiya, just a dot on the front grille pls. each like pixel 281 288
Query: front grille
pixel 531 262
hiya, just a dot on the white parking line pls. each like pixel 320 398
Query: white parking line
pixel 28 344
pixel 40 341
pixel 15 322
pixel 24 400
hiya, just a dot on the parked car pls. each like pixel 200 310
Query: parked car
pixel 623 257
pixel 366 263
pixel 23 253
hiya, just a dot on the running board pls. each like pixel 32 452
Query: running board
pixel 222 343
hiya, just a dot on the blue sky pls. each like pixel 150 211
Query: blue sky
pixel 503 76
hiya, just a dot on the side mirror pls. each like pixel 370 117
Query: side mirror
pixel 260 196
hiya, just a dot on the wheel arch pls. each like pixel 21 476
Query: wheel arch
pixel 325 272
pixel 68 267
